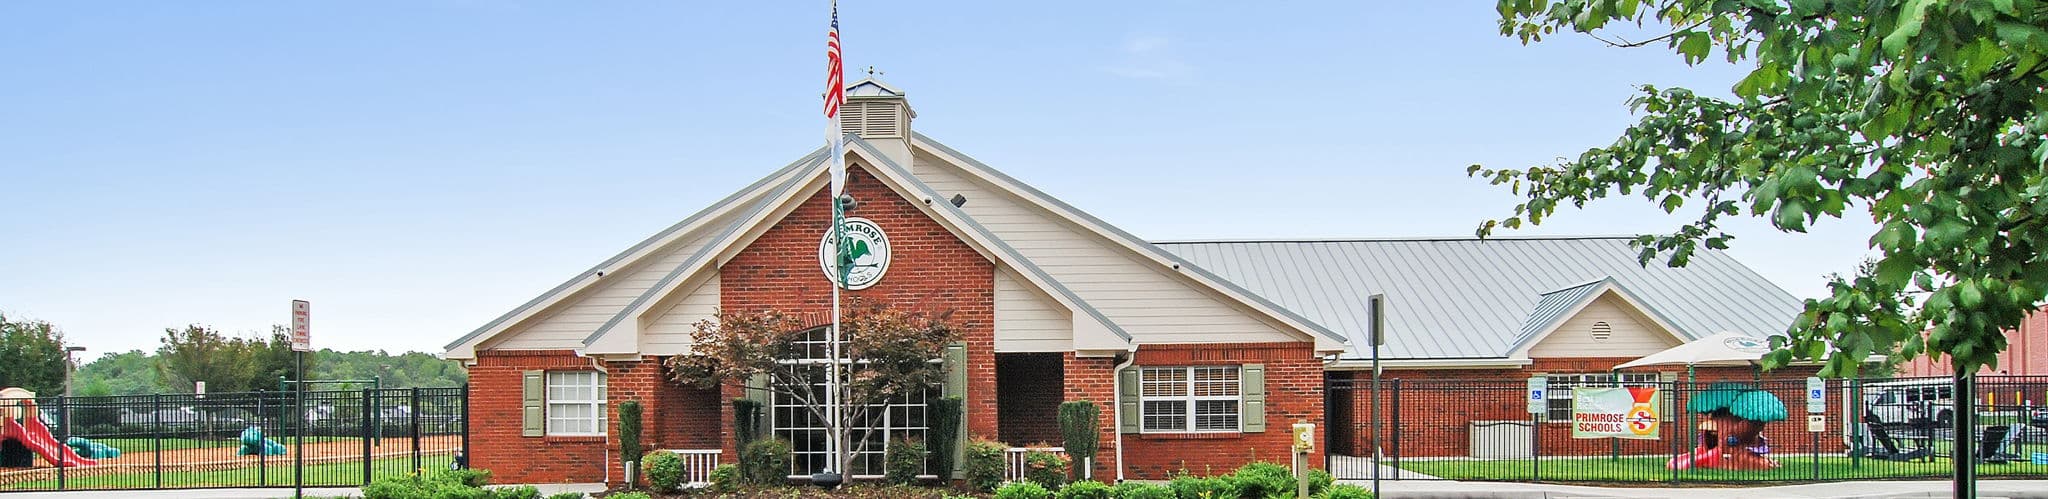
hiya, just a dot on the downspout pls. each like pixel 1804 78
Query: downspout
pixel 1117 393
pixel 598 365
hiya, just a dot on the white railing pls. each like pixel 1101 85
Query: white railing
pixel 1013 460
pixel 697 465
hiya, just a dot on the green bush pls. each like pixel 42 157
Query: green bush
pixel 1045 468
pixel 450 484
pixel 1023 490
pixel 746 421
pixel 629 495
pixel 1319 481
pixel 1260 480
pixel 520 492
pixel 1079 425
pixel 1346 492
pixel 1139 490
pixel 1086 489
pixel 567 495
pixel 469 476
pixel 903 461
pixel 629 432
pixel 1191 487
pixel 725 479
pixel 984 464
pixel 664 471
pixel 943 440
pixel 765 462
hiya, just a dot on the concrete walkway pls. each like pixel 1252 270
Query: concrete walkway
pixel 545 490
pixel 1887 489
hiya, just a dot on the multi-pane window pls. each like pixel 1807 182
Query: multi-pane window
pixel 575 403
pixel 1190 399
pixel 806 432
pixel 1560 388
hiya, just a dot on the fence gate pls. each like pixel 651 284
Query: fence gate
pixel 170 441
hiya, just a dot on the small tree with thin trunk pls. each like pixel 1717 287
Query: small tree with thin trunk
pixel 1078 426
pixel 885 353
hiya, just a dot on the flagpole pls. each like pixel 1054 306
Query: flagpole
pixel 835 95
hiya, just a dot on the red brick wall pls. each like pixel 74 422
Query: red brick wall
pixel 1029 392
pixel 1436 408
pixel 2026 353
pixel 1294 394
pixel 930 270
pixel 1094 378
pixel 672 417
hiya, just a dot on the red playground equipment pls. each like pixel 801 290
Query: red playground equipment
pixel 30 431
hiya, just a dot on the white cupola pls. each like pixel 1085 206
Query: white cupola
pixel 879 113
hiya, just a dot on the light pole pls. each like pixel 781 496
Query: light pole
pixel 69 365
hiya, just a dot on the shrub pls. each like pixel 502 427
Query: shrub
pixel 1045 468
pixel 1319 481
pixel 765 462
pixel 1023 490
pixel 903 461
pixel 1347 492
pixel 746 421
pixel 520 492
pixel 451 484
pixel 1190 487
pixel 567 495
pixel 1086 489
pixel 1139 490
pixel 664 471
pixel 629 495
pixel 1261 479
pixel 943 440
pixel 629 432
pixel 469 476
pixel 984 464
pixel 725 479
pixel 1079 429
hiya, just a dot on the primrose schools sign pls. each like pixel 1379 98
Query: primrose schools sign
pixel 867 255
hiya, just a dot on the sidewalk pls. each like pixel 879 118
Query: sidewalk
pixel 545 490
pixel 1508 490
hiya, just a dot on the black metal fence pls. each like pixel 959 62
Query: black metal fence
pixel 1490 429
pixel 252 439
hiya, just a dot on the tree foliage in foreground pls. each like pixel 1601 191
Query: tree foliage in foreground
pixel 1926 112
pixel 31 356
pixel 888 353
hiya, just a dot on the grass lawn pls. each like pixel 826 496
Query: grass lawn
pixel 1651 469
pixel 277 474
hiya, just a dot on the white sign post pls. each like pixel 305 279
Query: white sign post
pixel 302 342
pixel 302 331
pixel 1538 394
pixel 1816 395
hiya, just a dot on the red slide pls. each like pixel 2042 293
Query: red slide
pixel 37 438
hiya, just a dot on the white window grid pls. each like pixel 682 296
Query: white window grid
pixel 1559 393
pixel 1191 399
pixel 791 420
pixel 576 403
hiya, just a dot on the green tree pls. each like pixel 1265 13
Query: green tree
pixel 1927 113
pixel 33 353
pixel 127 373
pixel 199 353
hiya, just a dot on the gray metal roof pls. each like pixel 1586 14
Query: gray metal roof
pixel 1471 298
pixel 1555 304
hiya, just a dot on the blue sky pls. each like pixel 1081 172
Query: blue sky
pixel 417 168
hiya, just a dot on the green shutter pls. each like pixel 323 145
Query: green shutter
pixel 533 403
pixel 956 370
pixel 1253 412
pixel 1127 399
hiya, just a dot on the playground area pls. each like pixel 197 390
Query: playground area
pixel 227 440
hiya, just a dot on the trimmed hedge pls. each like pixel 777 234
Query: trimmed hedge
pixel 984 464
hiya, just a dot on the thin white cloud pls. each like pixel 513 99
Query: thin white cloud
pixel 1150 57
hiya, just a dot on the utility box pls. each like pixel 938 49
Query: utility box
pixel 1501 439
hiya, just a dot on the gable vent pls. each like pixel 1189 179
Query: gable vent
pixel 873 119
pixel 1602 331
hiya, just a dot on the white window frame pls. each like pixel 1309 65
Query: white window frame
pixel 596 383
pixel 1189 400
pixel 1559 391
pixel 788 417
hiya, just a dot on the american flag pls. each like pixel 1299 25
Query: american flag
pixel 835 94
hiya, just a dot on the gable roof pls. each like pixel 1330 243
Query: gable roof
pixel 1466 298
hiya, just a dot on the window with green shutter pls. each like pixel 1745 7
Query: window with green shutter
pixel 1193 399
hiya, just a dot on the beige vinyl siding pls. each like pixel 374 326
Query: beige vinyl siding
pixel 565 325
pixel 1144 298
pixel 1632 335
pixel 1028 321
pixel 669 333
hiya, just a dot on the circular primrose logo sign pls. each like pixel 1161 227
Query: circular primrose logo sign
pixel 866 256
pixel 1746 345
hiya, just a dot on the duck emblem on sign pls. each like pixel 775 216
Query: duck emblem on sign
pixel 865 258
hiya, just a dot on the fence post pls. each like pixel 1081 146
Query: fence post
pixel 262 459
pixel 364 419
pixel 63 428
pixel 156 430
pixel 1853 410
pixel 1396 419
pixel 413 413
pixel 1536 447
pixel 464 460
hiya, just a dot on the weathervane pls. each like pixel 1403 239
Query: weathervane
pixel 872 72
